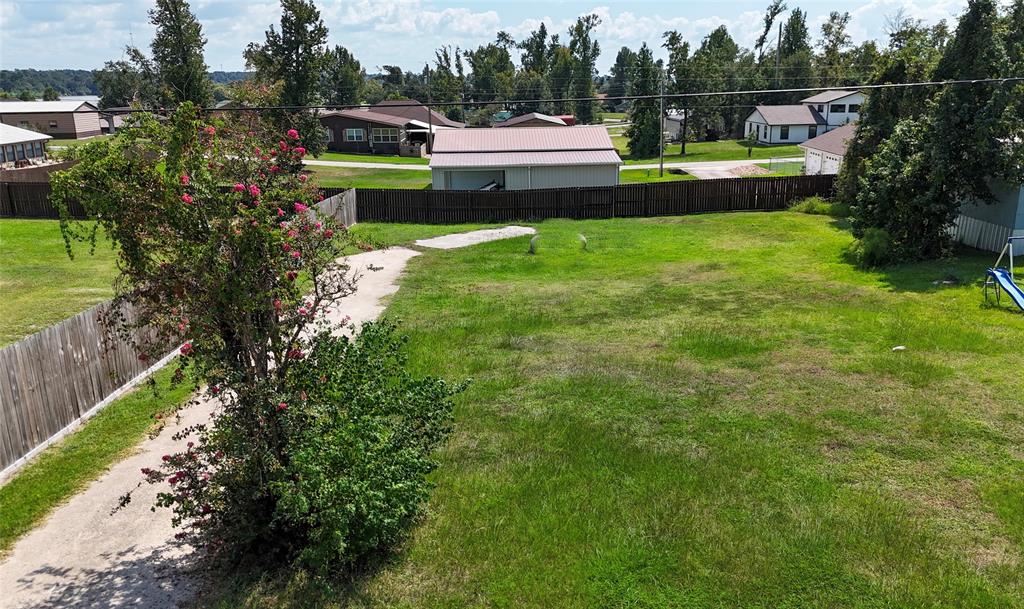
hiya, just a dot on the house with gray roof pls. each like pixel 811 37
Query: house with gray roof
pixel 796 123
pixel 823 155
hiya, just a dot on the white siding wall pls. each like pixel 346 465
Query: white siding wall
pixel 587 175
pixel 812 162
pixel 987 226
pixel 517 178
pixel 520 178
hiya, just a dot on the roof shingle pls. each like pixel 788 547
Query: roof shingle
pixel 795 114
pixel 832 142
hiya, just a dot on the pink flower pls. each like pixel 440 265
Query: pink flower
pixel 299 150
pixel 209 130
pixel 293 233
pixel 165 458
pixel 184 180
pixel 282 145
pixel 302 311
pixel 296 254
pixel 187 198
pixel 303 177
pixel 274 169
pixel 286 247
pixel 254 190
pixel 299 207
pixel 280 212
pixel 282 406
pixel 293 134
pixel 291 275
pixel 215 389
pixel 328 233
pixel 239 187
pixel 319 224
pixel 296 354
pixel 186 349
pixel 258 151
pixel 277 305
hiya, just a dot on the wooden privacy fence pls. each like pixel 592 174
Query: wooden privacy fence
pixel 32 200
pixel 623 201
pixel 49 380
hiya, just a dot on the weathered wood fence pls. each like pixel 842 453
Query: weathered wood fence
pixel 52 379
pixel 31 200
pixel 624 201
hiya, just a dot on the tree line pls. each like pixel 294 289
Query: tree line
pixel 31 84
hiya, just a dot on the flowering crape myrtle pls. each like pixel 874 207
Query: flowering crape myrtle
pixel 320 446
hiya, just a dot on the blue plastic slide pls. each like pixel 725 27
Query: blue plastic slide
pixel 1002 277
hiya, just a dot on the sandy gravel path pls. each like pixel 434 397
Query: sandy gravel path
pixel 84 557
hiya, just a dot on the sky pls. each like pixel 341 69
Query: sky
pixel 47 34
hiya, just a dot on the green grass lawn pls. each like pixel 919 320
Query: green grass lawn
pixel 793 168
pixel 706 411
pixel 40 284
pixel 723 150
pixel 350 177
pixel 73 143
pixel 372 158
pixel 67 467
pixel 631 176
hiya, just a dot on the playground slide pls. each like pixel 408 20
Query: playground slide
pixel 1002 277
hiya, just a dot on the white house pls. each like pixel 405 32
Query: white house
pixel 824 154
pixel 838 108
pixel 518 159
pixel 21 146
pixel 796 123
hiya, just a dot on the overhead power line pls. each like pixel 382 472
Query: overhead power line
pixel 667 96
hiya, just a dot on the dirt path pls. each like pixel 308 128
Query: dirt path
pixel 82 556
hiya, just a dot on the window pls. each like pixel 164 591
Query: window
pixel 20 149
pixel 329 137
pixel 821 107
pixel 837 108
pixel 853 108
pixel 355 135
pixel 784 132
pixel 9 153
pixel 764 131
pixel 812 131
pixel 53 124
pixel 381 136
pixel 39 149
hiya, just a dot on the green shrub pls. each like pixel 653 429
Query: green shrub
pixel 821 207
pixel 874 248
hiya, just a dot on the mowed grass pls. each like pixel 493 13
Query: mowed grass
pixel 354 177
pixel 706 411
pixel 633 176
pixel 722 150
pixel 67 467
pixel 40 284
pixel 372 158
pixel 792 168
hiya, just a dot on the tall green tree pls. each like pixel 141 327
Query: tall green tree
pixel 713 67
pixel 50 94
pixel 491 72
pixel 622 72
pixel 776 8
pixel 534 57
pixel 796 57
pixel 342 78
pixel 584 50
pixel 679 76
pixel 644 131
pixel 295 55
pixel 833 61
pixel 560 76
pixel 131 81
pixel 177 50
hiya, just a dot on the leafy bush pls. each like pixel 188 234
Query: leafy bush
pixel 874 248
pixel 320 448
pixel 334 470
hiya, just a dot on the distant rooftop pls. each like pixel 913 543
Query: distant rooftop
pixel 35 107
pixel 512 147
pixel 795 114
pixel 832 142
pixel 529 116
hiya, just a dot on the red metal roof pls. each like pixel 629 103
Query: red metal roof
pixel 454 160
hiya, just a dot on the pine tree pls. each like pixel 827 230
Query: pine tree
pixel 644 132
pixel 834 42
pixel 622 72
pixel 585 51
pixel 295 55
pixel 177 49
pixel 796 57
pixel 535 51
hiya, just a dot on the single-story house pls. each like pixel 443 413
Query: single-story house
pixel 365 131
pixel 518 159
pixel 414 110
pixel 673 123
pixel 21 145
pixel 790 124
pixel 532 119
pixel 70 119
pixel 836 107
pixel 987 226
pixel 823 155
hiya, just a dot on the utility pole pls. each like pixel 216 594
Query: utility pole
pixel 778 56
pixel 430 119
pixel 661 128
